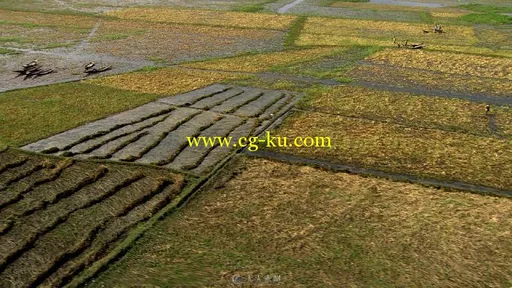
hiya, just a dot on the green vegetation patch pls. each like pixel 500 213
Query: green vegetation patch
pixel 257 7
pixel 294 32
pixel 486 8
pixel 333 66
pixel 6 51
pixel 31 114
pixel 486 18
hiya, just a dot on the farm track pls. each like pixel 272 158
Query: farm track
pixel 69 214
pixel 156 133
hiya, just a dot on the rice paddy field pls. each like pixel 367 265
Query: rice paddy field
pixel 100 185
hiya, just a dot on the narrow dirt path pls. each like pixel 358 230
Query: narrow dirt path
pixel 493 127
pixel 66 5
pixel 84 43
pixel 289 6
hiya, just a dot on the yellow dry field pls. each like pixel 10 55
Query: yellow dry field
pixel 263 62
pixel 448 14
pixel 167 81
pixel 47 19
pixel 496 38
pixel 205 17
pixel 380 31
pixel 401 149
pixel 412 78
pixel 318 228
pixel 471 50
pixel 405 108
pixel 446 62
pixel 309 39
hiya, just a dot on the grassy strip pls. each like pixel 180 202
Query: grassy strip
pixel 257 7
pixel 36 113
pixel 486 8
pixel 156 81
pixel 294 32
pixel 346 32
pixel 446 62
pixel 352 1
pixel 42 19
pixel 6 51
pixel 262 62
pixel 486 18
pixel 395 148
pixel 67 12
pixel 333 66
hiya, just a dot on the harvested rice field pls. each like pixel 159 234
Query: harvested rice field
pixel 156 133
pixel 453 63
pixel 444 83
pixel 58 216
pixel 137 149
pixel 324 31
pixel 322 229
pixel 413 110
pixel 404 149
